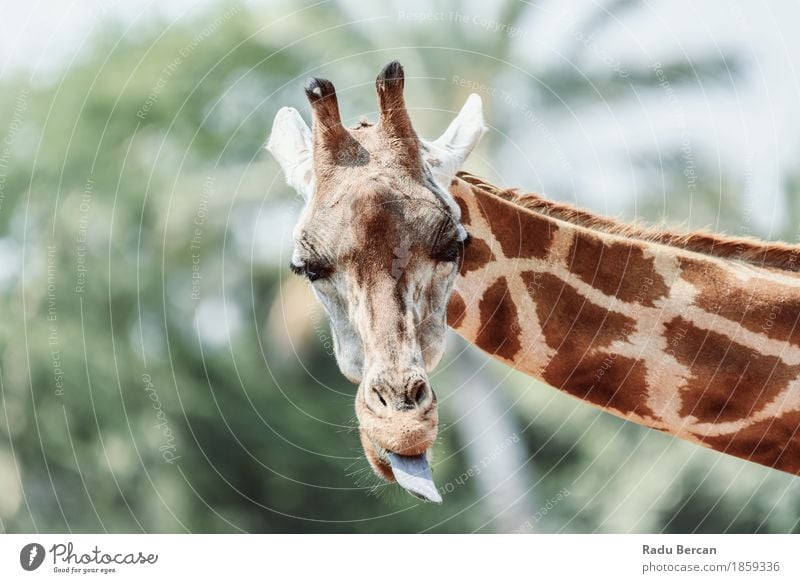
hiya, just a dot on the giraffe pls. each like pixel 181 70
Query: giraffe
pixel 693 334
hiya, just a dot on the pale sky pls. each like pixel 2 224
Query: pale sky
pixel 752 134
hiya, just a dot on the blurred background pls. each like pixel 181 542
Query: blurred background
pixel 160 370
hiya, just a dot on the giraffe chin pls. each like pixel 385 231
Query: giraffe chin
pixel 412 472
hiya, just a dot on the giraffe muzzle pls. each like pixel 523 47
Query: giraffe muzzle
pixel 398 422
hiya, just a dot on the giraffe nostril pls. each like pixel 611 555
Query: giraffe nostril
pixel 418 392
pixel 380 397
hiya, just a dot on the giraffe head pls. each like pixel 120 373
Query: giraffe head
pixel 380 240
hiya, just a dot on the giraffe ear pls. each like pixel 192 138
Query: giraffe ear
pixel 447 154
pixel 290 145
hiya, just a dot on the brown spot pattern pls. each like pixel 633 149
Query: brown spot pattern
pixel 758 305
pixel 729 381
pixel 465 218
pixel 499 333
pixel 378 222
pixel 576 329
pixel 773 442
pixel 477 254
pixel 519 232
pixel 456 310
pixel 618 269
pixel 607 380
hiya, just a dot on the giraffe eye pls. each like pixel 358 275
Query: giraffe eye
pixel 451 251
pixel 448 254
pixel 312 271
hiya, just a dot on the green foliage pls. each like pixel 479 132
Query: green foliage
pixel 126 407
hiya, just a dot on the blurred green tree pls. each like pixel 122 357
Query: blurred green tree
pixel 149 377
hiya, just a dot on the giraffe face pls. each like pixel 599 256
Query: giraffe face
pixel 380 241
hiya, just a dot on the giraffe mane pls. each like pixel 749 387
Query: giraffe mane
pixel 778 255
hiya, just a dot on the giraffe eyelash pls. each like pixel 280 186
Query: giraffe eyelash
pixel 448 254
pixel 453 251
pixel 313 272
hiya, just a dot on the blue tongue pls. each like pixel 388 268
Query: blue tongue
pixel 413 473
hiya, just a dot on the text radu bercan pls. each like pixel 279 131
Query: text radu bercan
pixel 677 550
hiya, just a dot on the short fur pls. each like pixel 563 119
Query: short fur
pixel 748 249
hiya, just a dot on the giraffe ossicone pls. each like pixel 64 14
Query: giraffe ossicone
pixel 694 334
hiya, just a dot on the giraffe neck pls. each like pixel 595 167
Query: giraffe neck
pixel 700 347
